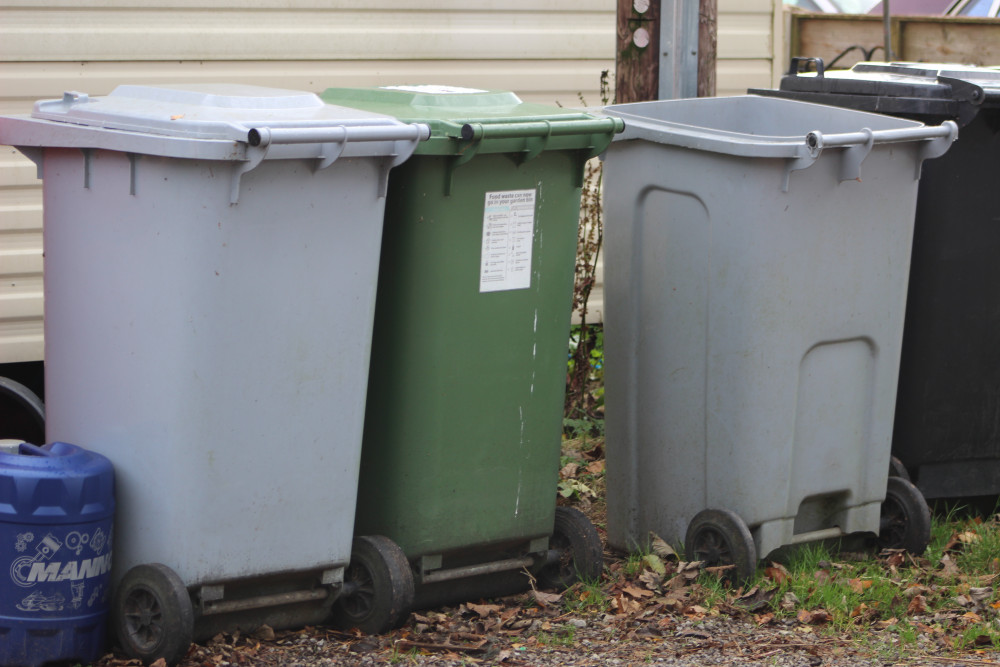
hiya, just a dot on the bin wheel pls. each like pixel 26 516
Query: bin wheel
pixel 581 556
pixel 721 537
pixel 379 587
pixel 153 615
pixel 897 469
pixel 906 520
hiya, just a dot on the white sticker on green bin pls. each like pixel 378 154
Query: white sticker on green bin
pixel 508 233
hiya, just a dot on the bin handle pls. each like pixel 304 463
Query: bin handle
pixel 857 145
pixel 266 136
pixel 793 69
pixel 332 141
pixel 607 127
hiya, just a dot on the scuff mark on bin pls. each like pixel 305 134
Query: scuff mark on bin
pixel 520 469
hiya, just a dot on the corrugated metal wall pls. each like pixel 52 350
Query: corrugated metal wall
pixel 550 51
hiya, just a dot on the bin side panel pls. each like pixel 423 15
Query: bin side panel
pixel 462 434
pixel 217 354
pixel 948 409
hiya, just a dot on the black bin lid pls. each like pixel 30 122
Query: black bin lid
pixel 930 92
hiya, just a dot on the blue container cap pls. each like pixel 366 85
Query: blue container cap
pixel 55 483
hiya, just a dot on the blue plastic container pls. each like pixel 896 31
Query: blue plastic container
pixel 56 510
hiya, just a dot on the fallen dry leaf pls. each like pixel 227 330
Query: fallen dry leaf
pixel 569 471
pixel 948 568
pixel 545 599
pixel 968 537
pixel 638 593
pixel 483 610
pixel 661 548
pixel 918 605
pixel 814 617
pixel 650 580
pixel 655 564
pixel 859 586
pixel 776 573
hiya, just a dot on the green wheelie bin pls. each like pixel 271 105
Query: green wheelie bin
pixel 460 455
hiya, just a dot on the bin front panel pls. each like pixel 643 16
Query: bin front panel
pixel 216 353
pixel 463 427
pixel 752 337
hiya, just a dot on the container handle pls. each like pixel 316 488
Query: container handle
pixel 546 129
pixel 859 144
pixel 793 69
pixel 331 140
pixel 33 450
pixel 266 136
pixel 541 128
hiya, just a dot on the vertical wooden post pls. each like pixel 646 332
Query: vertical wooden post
pixel 707 43
pixel 637 63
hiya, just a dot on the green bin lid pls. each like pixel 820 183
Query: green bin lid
pixel 496 121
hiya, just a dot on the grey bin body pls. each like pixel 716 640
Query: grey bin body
pixel 945 430
pixel 754 312
pixel 208 315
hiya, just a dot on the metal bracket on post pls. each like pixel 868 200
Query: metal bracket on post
pixel 678 49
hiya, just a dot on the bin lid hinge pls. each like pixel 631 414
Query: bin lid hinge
pixel 853 156
pixel 796 164
pixel 255 155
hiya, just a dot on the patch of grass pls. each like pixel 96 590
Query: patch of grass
pixel 895 605
pixel 586 597
pixel 634 563
pixel 563 635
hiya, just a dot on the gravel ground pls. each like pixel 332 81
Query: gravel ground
pixel 551 638
pixel 712 642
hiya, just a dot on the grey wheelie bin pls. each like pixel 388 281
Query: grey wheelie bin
pixel 204 244
pixel 944 437
pixel 756 265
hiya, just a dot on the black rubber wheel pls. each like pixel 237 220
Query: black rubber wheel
pixel 379 585
pixel 22 414
pixel 152 614
pixel 581 556
pixel 897 469
pixel 721 537
pixel 906 519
